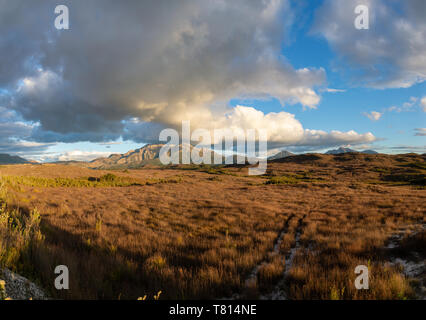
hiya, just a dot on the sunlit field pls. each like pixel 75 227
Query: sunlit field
pixel 190 232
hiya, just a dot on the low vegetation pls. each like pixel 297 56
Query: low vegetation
pixel 201 233
pixel 20 238
pixel 107 180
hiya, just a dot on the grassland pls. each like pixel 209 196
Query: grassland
pixel 213 232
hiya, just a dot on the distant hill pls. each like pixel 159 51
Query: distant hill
pixel 280 155
pixel 131 159
pixel 369 152
pixel 77 163
pixel 347 150
pixel 340 150
pixel 8 159
pixel 149 154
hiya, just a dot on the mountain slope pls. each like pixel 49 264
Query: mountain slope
pixel 281 154
pixel 131 159
pixel 8 159
pixel 340 150
pixel 149 154
pixel 369 152
pixel 347 150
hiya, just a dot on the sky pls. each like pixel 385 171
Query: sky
pixel 124 71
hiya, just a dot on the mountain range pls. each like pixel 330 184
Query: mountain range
pixel 8 159
pixel 280 155
pixel 150 154
pixel 347 150
pixel 130 159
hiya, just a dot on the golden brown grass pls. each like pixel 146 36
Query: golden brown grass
pixel 202 236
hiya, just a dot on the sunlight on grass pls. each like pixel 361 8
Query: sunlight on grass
pixel 108 180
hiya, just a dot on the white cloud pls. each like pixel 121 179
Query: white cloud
pixel 331 90
pixel 335 138
pixel 284 129
pixel 79 155
pixel 420 132
pixel 373 115
pixel 412 105
pixel 391 53
pixel 110 143
pixel 423 103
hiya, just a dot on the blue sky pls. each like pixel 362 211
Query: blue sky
pixel 345 110
pixel 311 77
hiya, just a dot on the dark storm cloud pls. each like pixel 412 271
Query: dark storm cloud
pixel 14 132
pixel 157 60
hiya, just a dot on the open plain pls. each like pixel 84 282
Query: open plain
pixel 297 232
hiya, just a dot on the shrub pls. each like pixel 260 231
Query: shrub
pixel 2 290
pixel 19 233
pixel 109 177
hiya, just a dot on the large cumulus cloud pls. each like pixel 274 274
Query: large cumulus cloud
pixel 159 62
pixel 282 129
